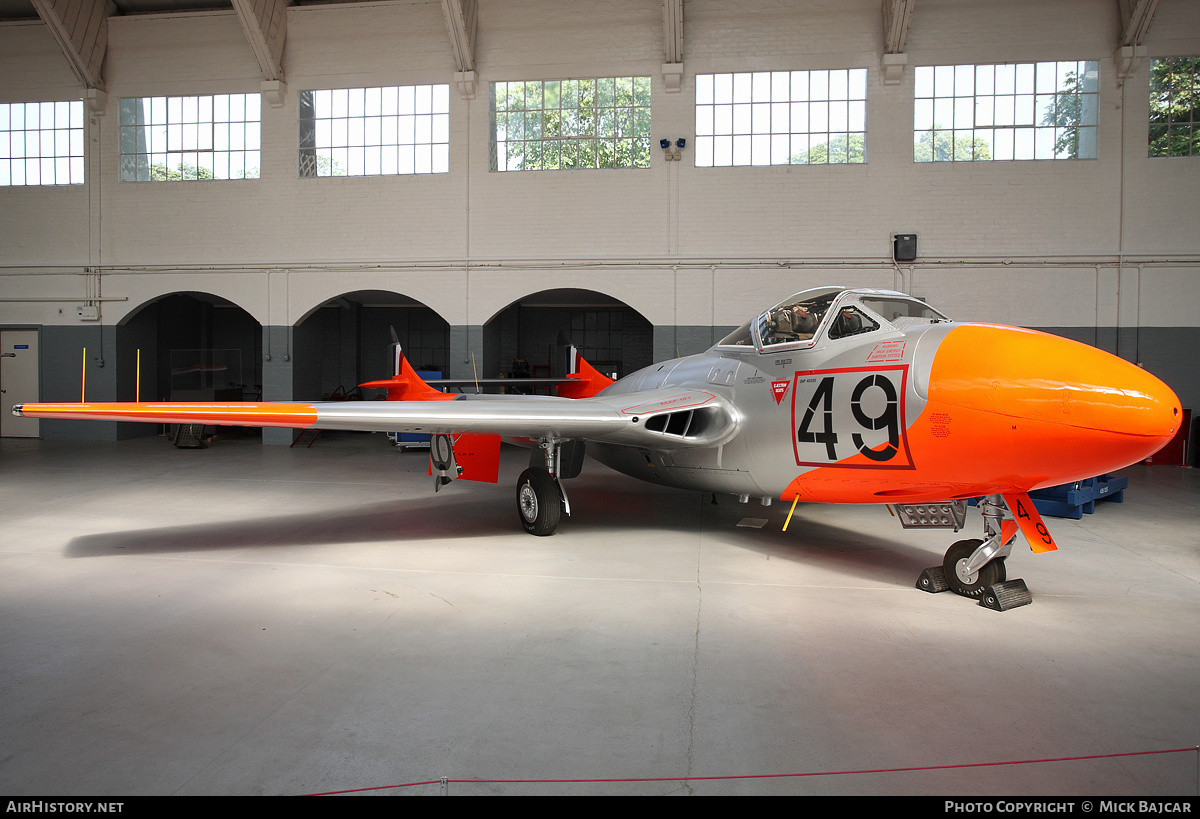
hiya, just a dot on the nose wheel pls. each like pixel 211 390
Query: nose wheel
pixel 961 579
pixel 539 502
pixel 975 568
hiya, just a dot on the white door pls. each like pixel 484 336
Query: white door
pixel 18 381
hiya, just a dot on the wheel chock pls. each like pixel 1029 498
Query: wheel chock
pixel 1010 594
pixel 933 580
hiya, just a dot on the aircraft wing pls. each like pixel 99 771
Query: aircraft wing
pixel 670 418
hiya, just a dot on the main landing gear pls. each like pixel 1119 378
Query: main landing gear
pixel 972 568
pixel 538 501
pixel 541 499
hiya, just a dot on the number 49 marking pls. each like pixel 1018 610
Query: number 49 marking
pixel 1032 526
pixel 865 406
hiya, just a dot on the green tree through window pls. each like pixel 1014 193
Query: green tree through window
pixel 1175 107
pixel 941 146
pixel 544 125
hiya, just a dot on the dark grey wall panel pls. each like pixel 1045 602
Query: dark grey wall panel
pixel 62 361
pixel 1171 353
pixel 673 341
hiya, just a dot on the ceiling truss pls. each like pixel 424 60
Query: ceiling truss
pixel 1135 20
pixel 462 19
pixel 265 25
pixel 672 69
pixel 897 18
pixel 80 27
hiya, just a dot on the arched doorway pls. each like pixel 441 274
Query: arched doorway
pixel 346 341
pixel 611 335
pixel 194 347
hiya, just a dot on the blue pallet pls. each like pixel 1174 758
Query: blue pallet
pixel 1073 500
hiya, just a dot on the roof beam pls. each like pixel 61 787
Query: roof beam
pixel 1135 20
pixel 897 17
pixel 265 25
pixel 672 31
pixel 80 27
pixel 461 20
pixel 672 68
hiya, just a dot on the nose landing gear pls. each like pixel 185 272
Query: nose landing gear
pixel 956 567
pixel 975 568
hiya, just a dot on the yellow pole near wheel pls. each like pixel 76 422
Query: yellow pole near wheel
pixel 793 509
pixel 137 390
pixel 83 379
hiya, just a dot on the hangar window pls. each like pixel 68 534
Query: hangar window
pixel 781 118
pixel 1175 106
pixel 550 125
pixel 968 113
pixel 170 139
pixel 397 130
pixel 41 143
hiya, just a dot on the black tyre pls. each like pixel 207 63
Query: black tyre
pixel 538 502
pixel 970 585
pixel 441 451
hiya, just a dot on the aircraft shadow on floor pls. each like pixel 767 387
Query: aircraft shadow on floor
pixel 600 512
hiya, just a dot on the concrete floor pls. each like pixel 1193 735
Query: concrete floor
pixel 258 620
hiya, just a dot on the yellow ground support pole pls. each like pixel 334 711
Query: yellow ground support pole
pixel 793 509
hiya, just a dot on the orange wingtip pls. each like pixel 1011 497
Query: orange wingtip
pixel 220 413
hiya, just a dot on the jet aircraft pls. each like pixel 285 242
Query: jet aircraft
pixel 833 395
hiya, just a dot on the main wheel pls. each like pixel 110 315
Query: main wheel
pixel 538 502
pixel 954 564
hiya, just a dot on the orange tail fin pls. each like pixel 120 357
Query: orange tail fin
pixel 406 385
pixel 590 380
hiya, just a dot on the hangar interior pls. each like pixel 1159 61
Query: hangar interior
pixel 229 196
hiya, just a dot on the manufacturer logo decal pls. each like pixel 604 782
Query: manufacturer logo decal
pixel 779 389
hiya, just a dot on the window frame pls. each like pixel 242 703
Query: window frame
pixel 55 151
pixel 174 129
pixel 615 123
pixel 1169 127
pixel 1029 104
pixel 748 118
pixel 350 137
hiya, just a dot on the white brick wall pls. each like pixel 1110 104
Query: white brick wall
pixel 340 235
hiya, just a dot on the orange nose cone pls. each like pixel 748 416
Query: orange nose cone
pixel 1078 410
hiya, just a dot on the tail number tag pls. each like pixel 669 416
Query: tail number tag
pixel 839 414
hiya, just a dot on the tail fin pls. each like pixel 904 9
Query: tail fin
pixel 405 384
pixel 590 380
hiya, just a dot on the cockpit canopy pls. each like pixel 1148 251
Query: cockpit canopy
pixel 831 312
